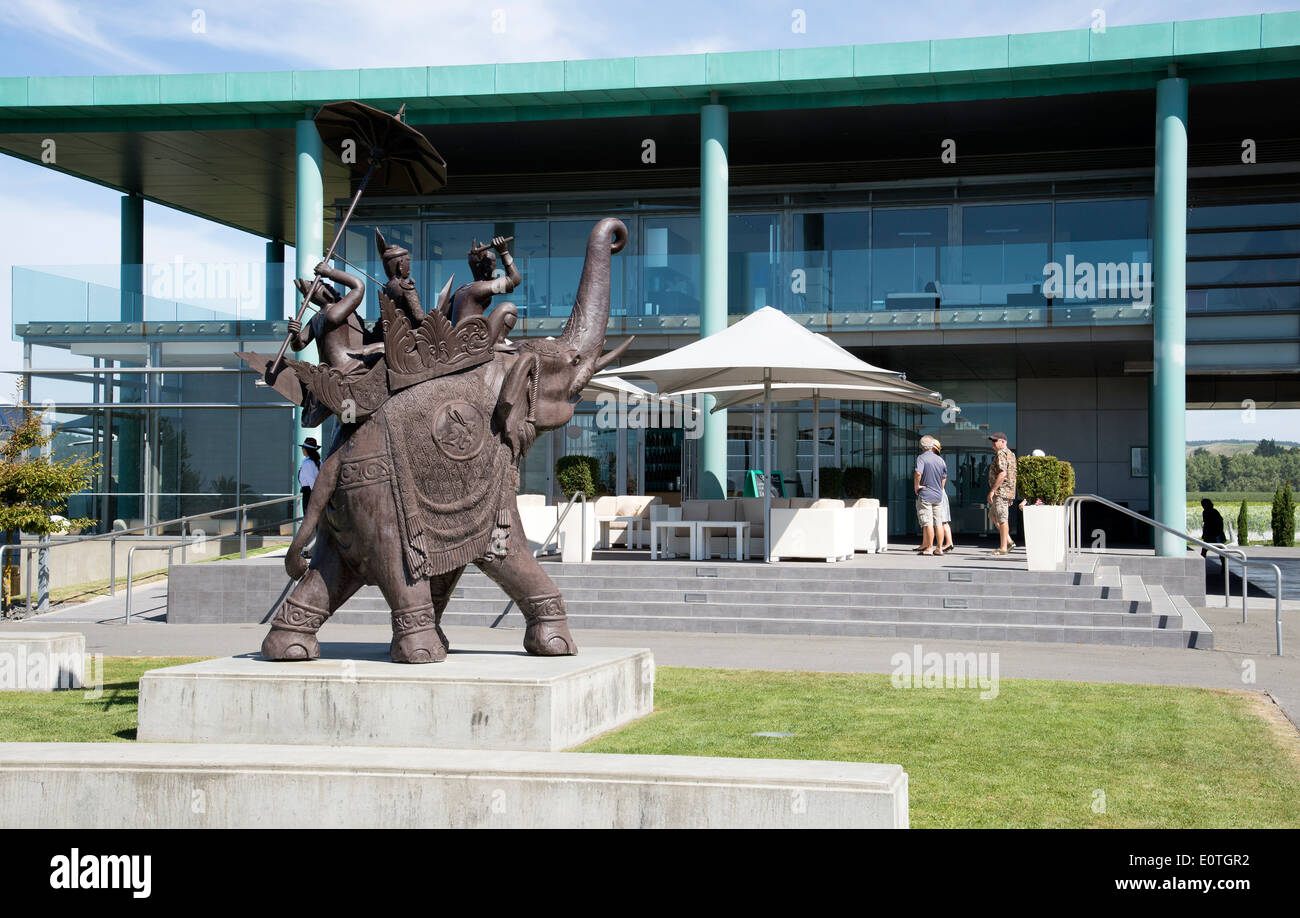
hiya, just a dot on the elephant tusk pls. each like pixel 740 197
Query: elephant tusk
pixel 605 360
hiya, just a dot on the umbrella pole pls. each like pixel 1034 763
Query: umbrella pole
pixel 767 466
pixel 338 234
pixel 817 445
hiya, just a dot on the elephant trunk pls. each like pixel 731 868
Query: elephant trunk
pixel 585 330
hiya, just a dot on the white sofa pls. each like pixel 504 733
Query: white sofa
pixel 722 542
pixel 870 525
pixel 825 530
pixel 626 505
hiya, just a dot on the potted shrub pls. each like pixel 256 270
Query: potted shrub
pixel 577 473
pixel 1045 482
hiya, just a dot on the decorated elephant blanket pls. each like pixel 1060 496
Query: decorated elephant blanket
pixel 451 473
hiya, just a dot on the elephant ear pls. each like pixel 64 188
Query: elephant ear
pixel 514 409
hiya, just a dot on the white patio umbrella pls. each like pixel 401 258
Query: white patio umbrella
pixel 764 350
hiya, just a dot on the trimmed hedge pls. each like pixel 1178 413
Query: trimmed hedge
pixel 832 481
pixel 577 473
pixel 857 482
pixel 1243 525
pixel 1284 516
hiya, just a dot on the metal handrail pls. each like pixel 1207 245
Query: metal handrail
pixel 577 495
pixel 1245 575
pixel 1074 547
pixel 112 537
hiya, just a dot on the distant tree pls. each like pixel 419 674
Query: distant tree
pixel 34 486
pixel 1284 516
pixel 1266 448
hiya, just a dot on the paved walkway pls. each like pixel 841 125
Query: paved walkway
pixel 1238 647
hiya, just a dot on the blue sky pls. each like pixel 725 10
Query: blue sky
pixel 53 219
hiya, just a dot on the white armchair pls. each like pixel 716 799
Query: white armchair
pixel 869 532
pixel 824 530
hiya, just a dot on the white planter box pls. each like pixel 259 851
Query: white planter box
pixel 1045 537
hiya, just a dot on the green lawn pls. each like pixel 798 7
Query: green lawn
pixel 1033 756
pixel 70 717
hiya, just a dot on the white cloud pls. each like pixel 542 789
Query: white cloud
pixel 77 24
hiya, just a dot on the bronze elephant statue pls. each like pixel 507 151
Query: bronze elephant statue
pixel 426 484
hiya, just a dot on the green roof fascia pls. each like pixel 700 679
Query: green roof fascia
pixel 780 75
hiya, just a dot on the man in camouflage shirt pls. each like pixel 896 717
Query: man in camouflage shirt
pixel 1002 490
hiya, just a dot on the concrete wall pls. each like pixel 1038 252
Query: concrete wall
pixel 1091 421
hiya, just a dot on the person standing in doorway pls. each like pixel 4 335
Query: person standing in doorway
pixel 928 481
pixel 1002 490
pixel 308 469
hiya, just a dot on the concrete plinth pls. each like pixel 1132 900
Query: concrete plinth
pixel 479 698
pixel 121 785
pixel 42 661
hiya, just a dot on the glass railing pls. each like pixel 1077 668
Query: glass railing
pixel 949 287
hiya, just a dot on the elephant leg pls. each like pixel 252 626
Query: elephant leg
pixel 416 636
pixel 440 588
pixel 532 589
pixel 295 565
pixel 328 583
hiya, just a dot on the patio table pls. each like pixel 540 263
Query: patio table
pixel 691 526
pixel 741 528
pixel 633 524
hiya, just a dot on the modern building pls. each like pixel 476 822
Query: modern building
pixel 1073 235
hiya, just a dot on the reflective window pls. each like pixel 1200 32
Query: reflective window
pixel 1247 242
pixel 1271 214
pixel 907 246
pixel 670 266
pixel 1003 254
pixel 753 262
pixel 831 249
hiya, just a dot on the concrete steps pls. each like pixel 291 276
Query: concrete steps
pixel 955 598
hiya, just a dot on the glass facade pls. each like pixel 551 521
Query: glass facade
pixel 181 430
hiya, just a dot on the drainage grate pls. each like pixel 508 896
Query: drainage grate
pixel 697 597
pixel 953 603
pixel 706 572
pixel 960 577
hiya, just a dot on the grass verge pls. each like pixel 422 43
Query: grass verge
pixel 1036 755
pixel 70 717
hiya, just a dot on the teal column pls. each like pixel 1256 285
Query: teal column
pixel 273 310
pixel 309 223
pixel 132 258
pixel 1169 380
pixel 713 274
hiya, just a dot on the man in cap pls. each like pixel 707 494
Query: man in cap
pixel 929 479
pixel 1002 490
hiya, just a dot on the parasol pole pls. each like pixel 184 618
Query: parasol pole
pixel 767 465
pixel 817 445
pixel 338 234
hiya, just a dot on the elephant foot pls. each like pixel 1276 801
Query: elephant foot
pixel 293 632
pixel 290 645
pixel 547 634
pixel 417 637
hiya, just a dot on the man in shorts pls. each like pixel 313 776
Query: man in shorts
pixel 928 481
pixel 1002 490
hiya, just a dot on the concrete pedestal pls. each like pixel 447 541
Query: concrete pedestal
pixel 479 698
pixel 155 785
pixel 42 661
